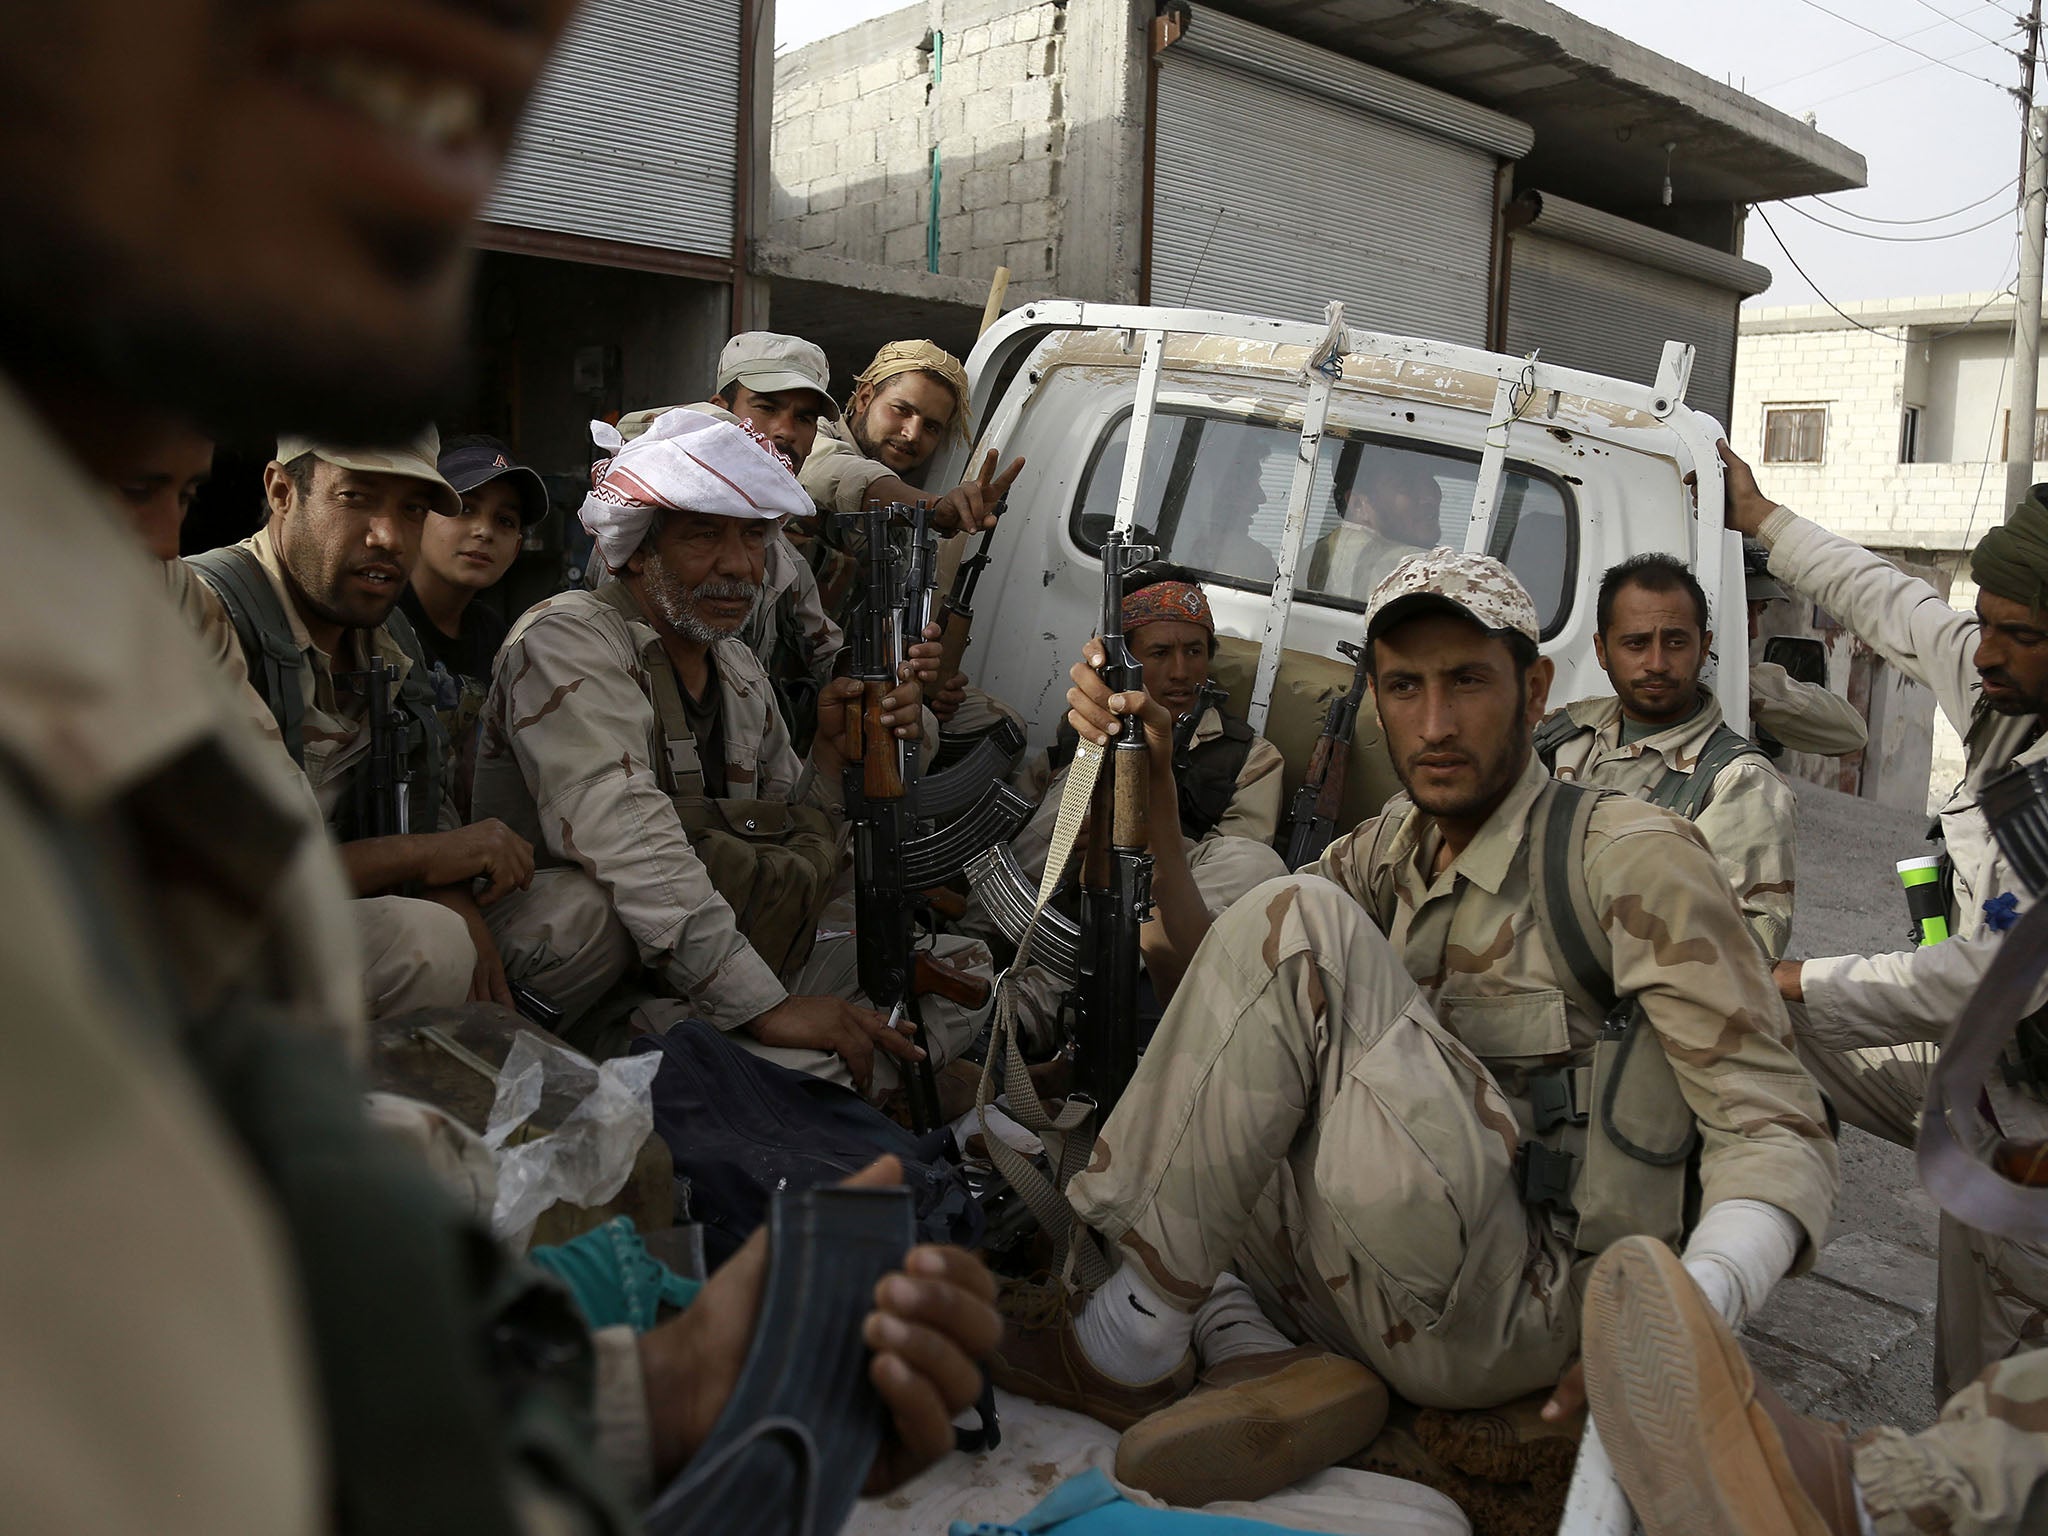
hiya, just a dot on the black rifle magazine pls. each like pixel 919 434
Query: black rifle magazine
pixel 799 1434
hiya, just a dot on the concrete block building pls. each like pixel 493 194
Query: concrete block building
pixel 1495 172
pixel 1888 423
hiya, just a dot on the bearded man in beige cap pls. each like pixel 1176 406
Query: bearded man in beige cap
pixel 1375 1090
pixel 313 595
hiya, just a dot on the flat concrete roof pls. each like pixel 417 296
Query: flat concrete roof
pixel 1950 311
pixel 1603 107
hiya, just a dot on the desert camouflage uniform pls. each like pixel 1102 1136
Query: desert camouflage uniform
pixel 566 761
pixel 1751 824
pixel 1804 716
pixel 155 859
pixel 1870 1023
pixel 1981 1470
pixel 1328 1113
pixel 837 474
pixel 416 953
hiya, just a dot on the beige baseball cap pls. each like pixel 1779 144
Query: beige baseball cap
pixel 1477 586
pixel 416 460
pixel 770 364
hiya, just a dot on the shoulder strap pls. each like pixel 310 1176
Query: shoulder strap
pixel 416 694
pixel 1564 907
pixel 1378 871
pixel 1558 727
pixel 261 624
pixel 682 766
pixel 1690 793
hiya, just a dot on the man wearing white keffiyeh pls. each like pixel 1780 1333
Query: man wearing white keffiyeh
pixel 635 742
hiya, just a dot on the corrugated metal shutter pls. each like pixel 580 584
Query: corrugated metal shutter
pixel 633 131
pixel 1287 175
pixel 1597 292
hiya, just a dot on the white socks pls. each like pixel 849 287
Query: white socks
pixel 1230 1325
pixel 1129 1333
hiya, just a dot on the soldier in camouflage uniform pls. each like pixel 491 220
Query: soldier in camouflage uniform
pixel 1650 738
pixel 1377 1095
pixel 635 740
pixel 1869 1024
pixel 326 571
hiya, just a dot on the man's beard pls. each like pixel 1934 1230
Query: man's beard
pixel 679 604
pixel 1680 703
pixel 1494 777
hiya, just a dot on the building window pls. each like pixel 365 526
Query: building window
pixel 2040 437
pixel 1909 435
pixel 1796 434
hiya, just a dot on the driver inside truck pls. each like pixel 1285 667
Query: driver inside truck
pixel 1389 504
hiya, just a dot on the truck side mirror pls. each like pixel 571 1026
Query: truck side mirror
pixel 1804 660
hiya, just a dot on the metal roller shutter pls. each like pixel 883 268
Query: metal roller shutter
pixel 1597 292
pixel 1287 175
pixel 631 135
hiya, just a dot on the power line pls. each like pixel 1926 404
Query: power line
pixel 1928 5
pixel 1871 218
pixel 1831 304
pixel 1910 69
pixel 1869 234
pixel 1896 43
pixel 1877 47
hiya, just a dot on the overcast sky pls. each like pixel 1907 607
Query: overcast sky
pixel 1937 136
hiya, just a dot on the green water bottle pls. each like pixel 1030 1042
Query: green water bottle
pixel 1922 879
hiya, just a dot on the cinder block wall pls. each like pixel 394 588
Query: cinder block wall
pixel 856 117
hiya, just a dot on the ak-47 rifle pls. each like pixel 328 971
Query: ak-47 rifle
pixel 1312 821
pixel 956 614
pixel 1116 875
pixel 384 786
pixel 878 804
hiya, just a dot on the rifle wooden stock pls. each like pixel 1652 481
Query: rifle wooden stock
pixel 953 643
pixel 1333 761
pixel 880 766
pixel 935 978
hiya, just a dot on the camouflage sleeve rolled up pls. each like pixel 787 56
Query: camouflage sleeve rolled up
pixel 1751 824
pixel 1681 948
pixel 1255 806
pixel 837 476
pixel 567 700
pixel 1804 716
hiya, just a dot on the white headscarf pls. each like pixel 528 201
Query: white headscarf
pixel 685 461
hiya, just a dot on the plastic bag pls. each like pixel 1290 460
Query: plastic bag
pixel 587 1159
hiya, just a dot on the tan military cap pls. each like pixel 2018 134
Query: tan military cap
pixel 416 460
pixel 1478 586
pixel 771 364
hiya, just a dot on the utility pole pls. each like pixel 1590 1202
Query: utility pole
pixel 2026 360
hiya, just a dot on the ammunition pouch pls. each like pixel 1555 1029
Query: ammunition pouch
pixel 773 862
pixel 1639 1142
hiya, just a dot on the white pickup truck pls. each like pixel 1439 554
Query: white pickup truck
pixel 1254 438
pixel 1251 450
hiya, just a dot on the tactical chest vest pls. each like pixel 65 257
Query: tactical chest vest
pixel 772 862
pixel 1609 1144
pixel 1205 776
pixel 1686 793
pixel 275 663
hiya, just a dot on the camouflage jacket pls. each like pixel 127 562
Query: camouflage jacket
pixel 570 738
pixel 1872 1000
pixel 1751 824
pixel 1804 716
pixel 1468 936
pixel 337 730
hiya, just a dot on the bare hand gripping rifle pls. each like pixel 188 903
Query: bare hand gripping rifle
pixel 893 862
pixel 1312 820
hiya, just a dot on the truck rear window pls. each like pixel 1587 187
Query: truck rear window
pixel 1215 498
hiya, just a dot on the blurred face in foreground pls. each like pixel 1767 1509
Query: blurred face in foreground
pixel 254 210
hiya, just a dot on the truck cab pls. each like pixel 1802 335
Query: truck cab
pixel 1293 465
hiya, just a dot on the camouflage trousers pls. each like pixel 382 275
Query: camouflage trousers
pixel 416 954
pixel 1993 1291
pixel 1982 1470
pixel 562 937
pixel 1302 1120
